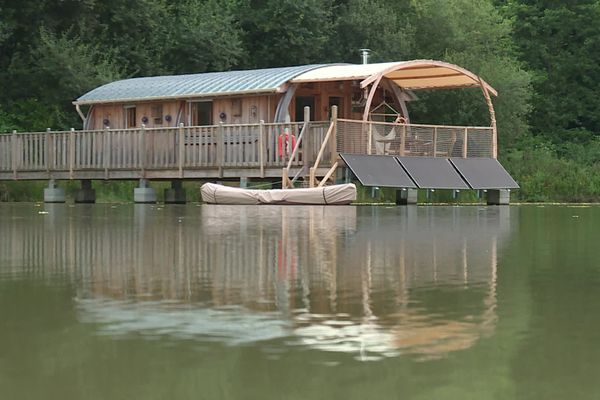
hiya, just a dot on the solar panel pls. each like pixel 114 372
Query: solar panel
pixel 432 173
pixel 384 171
pixel 484 173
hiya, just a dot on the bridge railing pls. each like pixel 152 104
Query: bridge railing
pixel 216 146
pixel 386 138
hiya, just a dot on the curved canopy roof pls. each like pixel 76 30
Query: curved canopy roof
pixel 410 75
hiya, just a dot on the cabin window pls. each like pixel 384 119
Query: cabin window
pixel 301 102
pixel 336 101
pixel 130 117
pixel 157 114
pixel 236 107
pixel 202 113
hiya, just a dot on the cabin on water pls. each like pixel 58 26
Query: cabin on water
pixel 300 125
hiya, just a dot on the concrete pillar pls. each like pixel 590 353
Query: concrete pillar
pixel 86 194
pixel 406 197
pixel 54 194
pixel 176 194
pixel 243 182
pixel 498 197
pixel 143 193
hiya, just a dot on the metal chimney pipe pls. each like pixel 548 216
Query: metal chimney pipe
pixel 365 55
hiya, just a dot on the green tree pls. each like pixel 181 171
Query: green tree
pixel 558 41
pixel 204 36
pixel 284 32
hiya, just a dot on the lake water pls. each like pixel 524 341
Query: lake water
pixel 269 302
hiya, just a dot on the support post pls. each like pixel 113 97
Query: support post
pixel 71 152
pixel 308 140
pixel 15 159
pixel 54 194
pixel 498 197
pixel 333 140
pixel 406 197
pixel 143 155
pixel 311 177
pixel 403 140
pixel 243 182
pixel 176 194
pixel 284 178
pixel 86 194
pixel 181 149
pixel 47 151
pixel 143 193
pixel 107 153
pixel 261 147
pixel 434 141
pixel 221 148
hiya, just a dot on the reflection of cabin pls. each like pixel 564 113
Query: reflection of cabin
pixel 290 121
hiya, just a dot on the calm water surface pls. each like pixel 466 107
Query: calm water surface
pixel 261 302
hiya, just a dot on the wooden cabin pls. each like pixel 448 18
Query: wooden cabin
pixel 271 95
pixel 296 123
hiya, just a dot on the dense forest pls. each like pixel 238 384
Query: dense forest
pixel 541 56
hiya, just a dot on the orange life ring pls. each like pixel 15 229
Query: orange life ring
pixel 286 144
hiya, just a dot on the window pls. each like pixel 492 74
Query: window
pixel 202 113
pixel 130 117
pixel 157 114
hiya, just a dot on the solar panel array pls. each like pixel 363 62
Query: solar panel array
pixel 429 172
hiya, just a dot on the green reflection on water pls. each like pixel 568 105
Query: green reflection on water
pixel 298 302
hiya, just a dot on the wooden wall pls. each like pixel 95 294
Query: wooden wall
pixel 237 110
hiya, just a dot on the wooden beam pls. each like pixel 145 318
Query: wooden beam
pixel 328 175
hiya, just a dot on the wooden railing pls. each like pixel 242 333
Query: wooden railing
pixel 221 146
pixel 385 138
pixel 228 150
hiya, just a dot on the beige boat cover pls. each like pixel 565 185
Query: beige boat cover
pixel 335 194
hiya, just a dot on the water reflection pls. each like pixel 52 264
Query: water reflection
pixel 371 282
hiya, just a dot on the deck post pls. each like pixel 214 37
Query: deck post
pixel 15 164
pixel 181 149
pixel 221 148
pixel 499 197
pixel 333 140
pixel 284 178
pixel 47 151
pixel 403 140
pixel 54 194
pixel 261 147
pixel 308 155
pixel 107 154
pixel 406 197
pixel 143 193
pixel 434 141
pixel 86 194
pixel 71 152
pixel 143 154
pixel 176 194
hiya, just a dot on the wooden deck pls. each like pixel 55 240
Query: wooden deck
pixel 225 151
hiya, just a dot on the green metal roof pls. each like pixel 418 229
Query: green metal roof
pixel 195 85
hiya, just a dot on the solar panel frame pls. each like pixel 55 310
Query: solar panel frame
pixel 484 173
pixel 433 173
pixel 378 170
